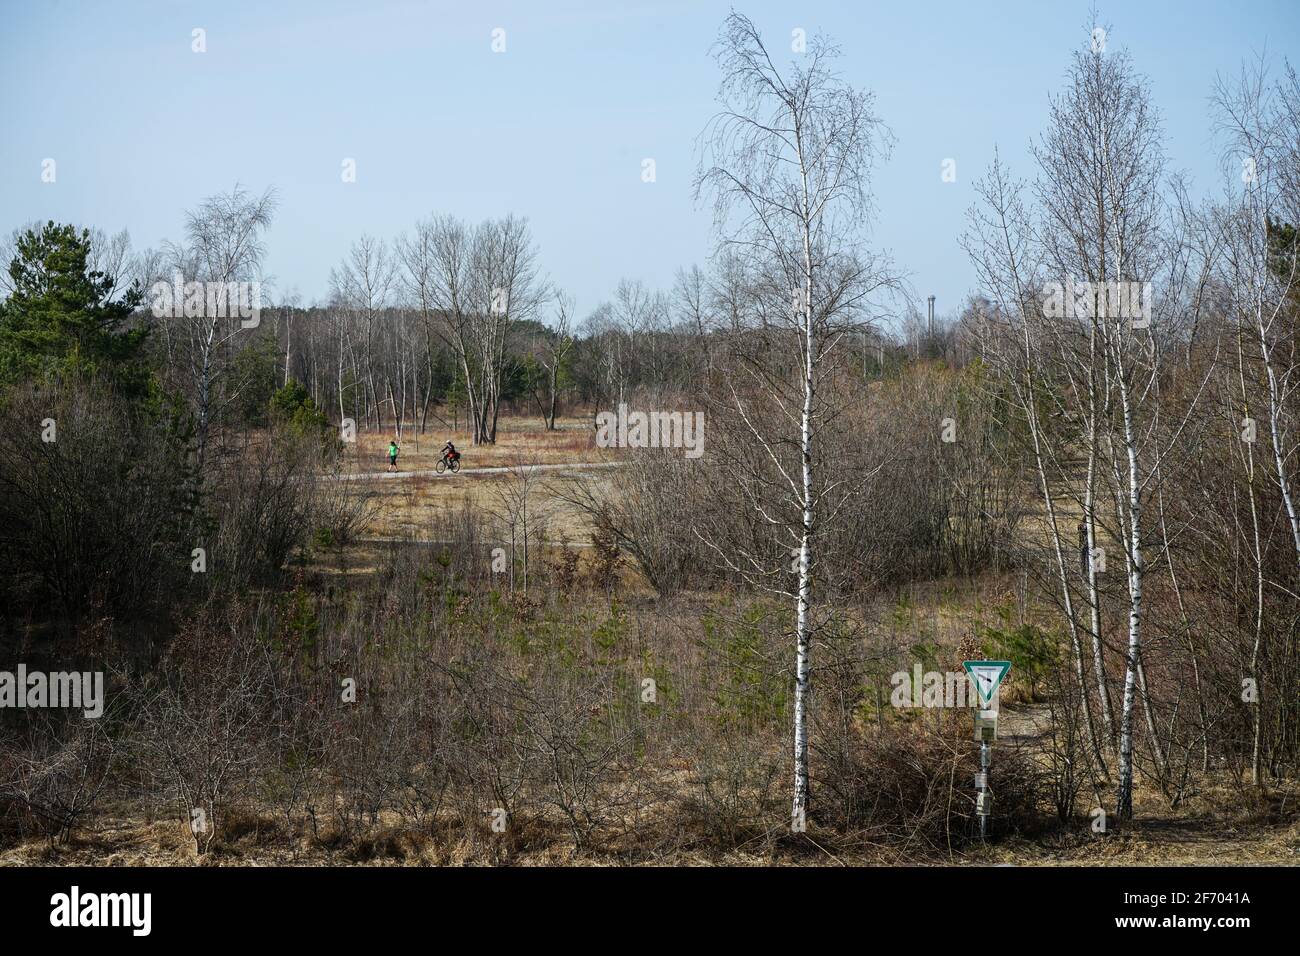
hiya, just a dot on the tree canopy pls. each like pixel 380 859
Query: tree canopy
pixel 63 317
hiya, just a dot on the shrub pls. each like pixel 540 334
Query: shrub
pixel 293 407
pixel 101 515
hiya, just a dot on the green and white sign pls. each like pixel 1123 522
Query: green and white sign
pixel 987 675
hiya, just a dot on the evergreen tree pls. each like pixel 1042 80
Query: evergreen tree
pixel 62 319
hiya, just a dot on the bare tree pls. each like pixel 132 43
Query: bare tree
pixel 1261 123
pixel 523 517
pixel 363 283
pixel 508 290
pixel 223 244
pixel 787 162
pixel 471 285
pixel 694 310
pixel 1259 119
pixel 555 350
pixel 1087 379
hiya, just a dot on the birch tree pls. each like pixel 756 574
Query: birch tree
pixel 1259 121
pixel 554 352
pixel 1261 124
pixel 1087 378
pixel 223 244
pixel 471 285
pixel 1001 243
pixel 1102 163
pixel 787 162
pixel 363 283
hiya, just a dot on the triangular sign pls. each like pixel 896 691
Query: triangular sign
pixel 987 675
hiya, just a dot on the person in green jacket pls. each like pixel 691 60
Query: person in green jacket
pixel 392 455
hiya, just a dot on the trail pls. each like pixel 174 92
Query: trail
pixel 494 470
pixel 437 541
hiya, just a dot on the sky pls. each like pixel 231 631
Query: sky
pixel 557 126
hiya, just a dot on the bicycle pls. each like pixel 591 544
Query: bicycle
pixel 444 463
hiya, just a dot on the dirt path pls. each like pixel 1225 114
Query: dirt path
pixel 437 541
pixel 496 470
pixel 1026 723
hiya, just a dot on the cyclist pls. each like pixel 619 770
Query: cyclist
pixel 449 452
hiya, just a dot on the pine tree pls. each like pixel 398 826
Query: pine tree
pixel 61 318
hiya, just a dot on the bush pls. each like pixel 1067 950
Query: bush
pixel 1031 651
pixel 268 505
pixel 52 775
pixel 292 407
pixel 101 515
pixel 911 786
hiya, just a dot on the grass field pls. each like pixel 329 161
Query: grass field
pixel 519 440
pixel 407 504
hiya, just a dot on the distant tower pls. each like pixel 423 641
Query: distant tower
pixel 929 325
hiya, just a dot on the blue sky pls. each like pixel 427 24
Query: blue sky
pixel 555 128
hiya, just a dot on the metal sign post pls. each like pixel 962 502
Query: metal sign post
pixel 983 798
pixel 987 677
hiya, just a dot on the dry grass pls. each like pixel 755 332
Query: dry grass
pixel 1217 825
pixel 518 440
pixel 407 506
pixel 1216 829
